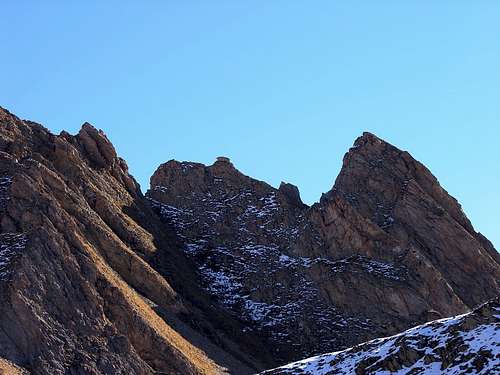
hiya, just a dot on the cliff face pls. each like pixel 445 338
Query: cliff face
pixel 403 198
pixel 88 274
pixel 213 271
pixel 385 249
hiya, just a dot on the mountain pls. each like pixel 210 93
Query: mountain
pixel 463 344
pixel 385 249
pixel 212 271
pixel 91 282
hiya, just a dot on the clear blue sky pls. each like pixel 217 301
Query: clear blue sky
pixel 282 87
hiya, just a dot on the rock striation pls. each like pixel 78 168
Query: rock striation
pixel 403 198
pixel 91 282
pixel 212 271
pixel 386 249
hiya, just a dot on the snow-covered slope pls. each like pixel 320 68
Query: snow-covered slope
pixel 464 344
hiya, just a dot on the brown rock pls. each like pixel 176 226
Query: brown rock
pixel 90 280
pixel 214 271
pixel 385 249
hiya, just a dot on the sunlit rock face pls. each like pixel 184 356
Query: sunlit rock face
pixel 89 275
pixel 387 248
pixel 212 271
pixel 403 198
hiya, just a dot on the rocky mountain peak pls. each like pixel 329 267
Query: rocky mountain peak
pixel 212 269
pixel 87 270
pixel 230 176
pixel 381 173
pixel 355 244
pixel 368 138
pixel 402 197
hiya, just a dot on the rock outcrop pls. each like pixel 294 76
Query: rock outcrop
pixel 464 344
pixel 212 271
pixel 91 282
pixel 403 198
pixel 386 249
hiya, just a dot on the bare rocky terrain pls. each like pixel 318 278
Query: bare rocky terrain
pixel 212 271
pixel 387 248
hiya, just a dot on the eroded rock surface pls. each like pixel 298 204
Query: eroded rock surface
pixel 213 271
pixel 91 282
pixel 403 198
pixel 387 248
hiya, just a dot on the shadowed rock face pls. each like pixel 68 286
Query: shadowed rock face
pixel 91 282
pixel 387 248
pixel 214 271
pixel 464 344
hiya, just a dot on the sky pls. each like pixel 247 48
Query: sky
pixel 283 88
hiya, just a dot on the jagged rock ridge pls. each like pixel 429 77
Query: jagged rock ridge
pixel 91 282
pixel 464 344
pixel 387 248
pixel 213 271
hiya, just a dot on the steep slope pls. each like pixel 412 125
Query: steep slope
pixel 403 198
pixel 90 280
pixel 214 271
pixel 464 344
pixel 313 279
pixel 239 232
